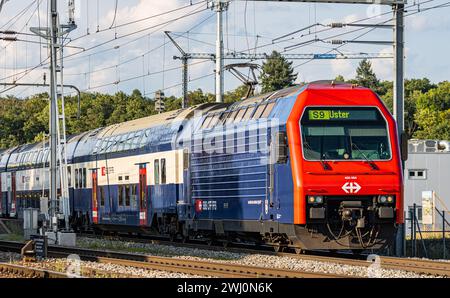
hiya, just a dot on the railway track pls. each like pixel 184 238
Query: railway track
pixel 28 272
pixel 420 266
pixel 194 267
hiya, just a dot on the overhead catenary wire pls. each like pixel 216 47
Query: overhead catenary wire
pixel 43 63
pixel 142 19
pixel 149 51
pixel 115 15
pixel 317 32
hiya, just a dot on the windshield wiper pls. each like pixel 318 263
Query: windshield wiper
pixel 369 161
pixel 322 162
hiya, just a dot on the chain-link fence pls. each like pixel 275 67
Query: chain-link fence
pixel 428 238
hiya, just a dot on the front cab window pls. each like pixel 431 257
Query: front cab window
pixel 335 133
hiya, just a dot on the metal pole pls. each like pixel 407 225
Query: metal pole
pixel 219 6
pixel 414 248
pixel 185 82
pixel 398 67
pixel 404 237
pixel 411 219
pixel 53 114
pixel 443 234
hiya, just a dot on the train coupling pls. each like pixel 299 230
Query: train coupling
pixel 352 212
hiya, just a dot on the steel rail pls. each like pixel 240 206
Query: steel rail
pixel 194 267
pixel 231 270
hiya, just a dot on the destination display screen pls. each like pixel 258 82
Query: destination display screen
pixel 342 114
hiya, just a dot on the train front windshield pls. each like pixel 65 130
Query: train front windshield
pixel 332 133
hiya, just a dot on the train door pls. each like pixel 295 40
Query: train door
pixel 95 214
pixel 143 194
pixel 12 195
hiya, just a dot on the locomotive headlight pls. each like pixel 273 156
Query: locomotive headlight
pixel 315 199
pixel 389 199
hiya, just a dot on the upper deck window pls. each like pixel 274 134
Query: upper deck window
pixel 334 133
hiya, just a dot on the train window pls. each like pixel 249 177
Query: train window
pixel 128 141
pixel 223 117
pixel 47 156
pixel 248 113
pixel 206 122
pixel 69 176
pixel 127 195
pixel 240 114
pixel 24 159
pixel 120 196
pixel 76 179
pixel 213 121
pixel 102 195
pixel 80 178
pixel 163 171
pixel 344 134
pixel 133 195
pixel 268 109
pixel 185 159
pixel 231 117
pixel 122 142
pixel 104 145
pixel 144 137
pixel 39 159
pixel 259 111
pixel 84 178
pixel 97 146
pixel 156 170
pixel 30 158
pixel 117 144
pixel 137 139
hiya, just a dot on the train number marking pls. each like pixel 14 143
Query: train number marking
pixel 351 187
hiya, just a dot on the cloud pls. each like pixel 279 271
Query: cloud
pixel 383 68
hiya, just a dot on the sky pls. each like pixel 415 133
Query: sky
pixel 125 48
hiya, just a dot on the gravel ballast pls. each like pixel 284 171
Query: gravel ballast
pixel 267 261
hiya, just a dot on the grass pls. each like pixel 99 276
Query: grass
pixel 12 237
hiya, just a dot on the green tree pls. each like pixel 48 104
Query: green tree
pixel 365 76
pixel 277 73
pixel 339 79
pixel 237 94
pixel 433 113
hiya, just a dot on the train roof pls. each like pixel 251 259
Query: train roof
pixel 161 128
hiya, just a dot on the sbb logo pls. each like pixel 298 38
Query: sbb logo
pixel 198 205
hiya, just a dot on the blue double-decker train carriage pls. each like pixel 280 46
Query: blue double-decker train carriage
pixel 153 173
pixel 232 171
